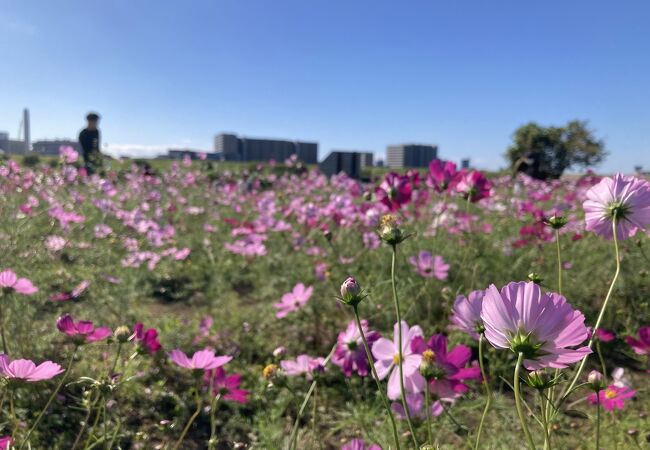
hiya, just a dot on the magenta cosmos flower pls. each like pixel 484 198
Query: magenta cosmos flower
pixel 472 185
pixel 386 353
pixel 428 266
pixel 26 370
pixel 359 444
pixel 303 365
pixel 542 326
pixel 226 386
pixel 148 339
pixel 640 346
pixel 293 301
pixel 5 441
pixel 466 313
pixel 83 331
pixel 612 397
pixel 395 191
pixel 441 173
pixel 448 370
pixel 626 199
pixel 350 355
pixel 10 281
pixel 202 360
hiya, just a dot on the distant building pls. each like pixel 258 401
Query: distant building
pixel 366 158
pixel 51 148
pixel 349 163
pixel 410 155
pixel 180 153
pixel 464 163
pixel 234 148
pixel 11 146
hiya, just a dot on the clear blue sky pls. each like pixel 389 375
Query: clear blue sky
pixel 348 74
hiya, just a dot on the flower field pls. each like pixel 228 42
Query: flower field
pixel 192 306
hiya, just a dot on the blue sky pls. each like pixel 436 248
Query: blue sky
pixel 349 74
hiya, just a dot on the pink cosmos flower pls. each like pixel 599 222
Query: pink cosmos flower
pixel 26 370
pixel 466 313
pixel 625 198
pixel 612 397
pixel 227 386
pixel 303 365
pixel 10 281
pixel 386 353
pixel 542 326
pixel 448 368
pixel 473 185
pixel 395 191
pixel 602 334
pixel 55 243
pixel 293 301
pixel 350 355
pixel 441 173
pixel 640 346
pixel 5 442
pixel 68 154
pixel 148 339
pixel 82 331
pixel 428 266
pixel 359 444
pixel 202 360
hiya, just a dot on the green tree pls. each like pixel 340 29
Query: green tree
pixel 546 152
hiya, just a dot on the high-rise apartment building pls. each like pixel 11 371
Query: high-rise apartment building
pixel 234 148
pixel 410 155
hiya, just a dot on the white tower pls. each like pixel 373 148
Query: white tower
pixel 26 127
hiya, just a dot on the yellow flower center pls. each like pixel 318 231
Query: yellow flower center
pixel 610 394
pixel 396 359
pixel 429 356
pixel 269 371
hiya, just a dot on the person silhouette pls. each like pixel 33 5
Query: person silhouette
pixel 89 140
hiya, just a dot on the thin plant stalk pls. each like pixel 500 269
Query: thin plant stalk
pixel 545 422
pixel 213 419
pixel 520 410
pixel 407 414
pixel 488 391
pixel 373 371
pixel 49 401
pixel 597 420
pixel 559 262
pixel 294 430
pixel 192 419
pixel 427 405
pixel 600 314
pixel 2 329
pixel 603 366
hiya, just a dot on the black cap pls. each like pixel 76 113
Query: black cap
pixel 92 116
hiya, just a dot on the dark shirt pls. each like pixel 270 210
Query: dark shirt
pixel 89 140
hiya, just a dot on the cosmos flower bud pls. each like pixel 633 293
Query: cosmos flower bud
pixel 596 380
pixel 535 278
pixel 271 372
pixel 279 351
pixel 427 369
pixel 557 222
pixel 389 232
pixel 351 292
pixel 122 333
pixel 539 379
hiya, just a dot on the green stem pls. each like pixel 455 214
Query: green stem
pixel 600 316
pixel 213 417
pixel 559 262
pixel 49 401
pixel 427 405
pixel 117 357
pixel 597 420
pixel 294 430
pixel 376 378
pixel 545 422
pixel 520 410
pixel 2 330
pixel 602 361
pixel 459 426
pixel 488 391
pixel 407 414
pixel 192 419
